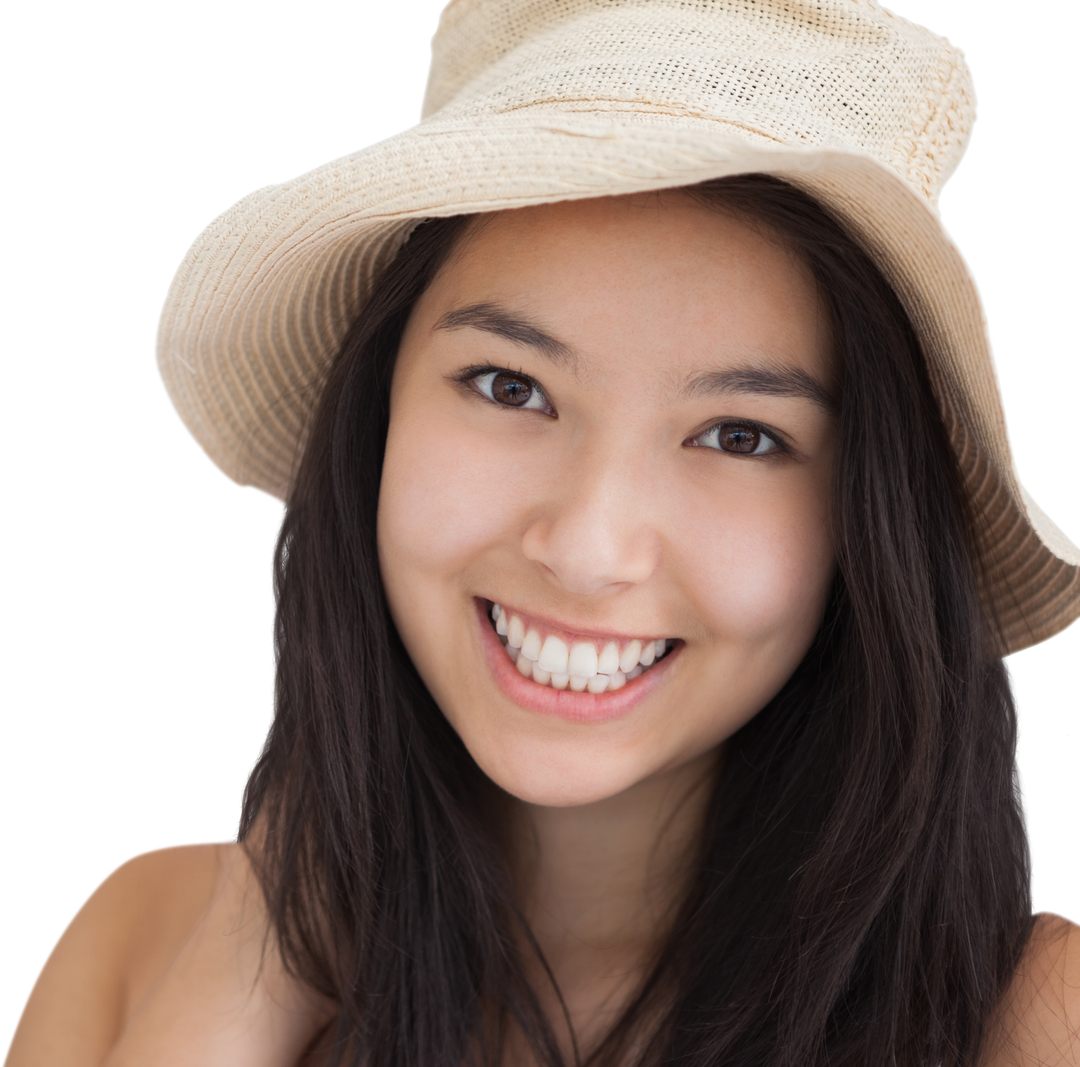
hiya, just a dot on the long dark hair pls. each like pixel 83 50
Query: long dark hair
pixel 862 893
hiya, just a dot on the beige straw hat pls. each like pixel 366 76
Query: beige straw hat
pixel 532 101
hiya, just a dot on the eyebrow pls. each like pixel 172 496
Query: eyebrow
pixel 764 381
pixel 514 327
pixel 518 329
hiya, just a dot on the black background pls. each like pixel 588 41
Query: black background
pixel 139 673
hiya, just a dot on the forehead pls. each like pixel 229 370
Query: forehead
pixel 667 231
pixel 659 275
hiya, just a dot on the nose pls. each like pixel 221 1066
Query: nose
pixel 594 532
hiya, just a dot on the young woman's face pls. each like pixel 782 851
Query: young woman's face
pixel 612 418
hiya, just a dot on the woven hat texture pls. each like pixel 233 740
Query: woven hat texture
pixel 534 101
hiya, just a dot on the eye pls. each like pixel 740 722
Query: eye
pixel 740 438
pixel 511 390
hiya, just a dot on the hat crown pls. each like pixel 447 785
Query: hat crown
pixel 815 73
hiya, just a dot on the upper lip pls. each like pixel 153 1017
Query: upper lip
pixel 591 632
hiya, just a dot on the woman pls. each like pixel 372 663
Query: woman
pixel 642 588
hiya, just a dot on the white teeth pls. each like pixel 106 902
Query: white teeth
pixel 582 659
pixel 547 661
pixel 598 683
pixel 530 647
pixel 515 634
pixel 628 659
pixel 554 655
pixel 608 663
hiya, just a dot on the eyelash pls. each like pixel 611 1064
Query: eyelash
pixel 779 447
pixel 473 376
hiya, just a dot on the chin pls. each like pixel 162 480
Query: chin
pixel 562 766
pixel 559 775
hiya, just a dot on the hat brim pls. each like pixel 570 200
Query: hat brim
pixel 264 297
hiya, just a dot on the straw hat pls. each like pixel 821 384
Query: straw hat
pixel 532 101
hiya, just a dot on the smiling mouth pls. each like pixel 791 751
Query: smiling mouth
pixel 580 664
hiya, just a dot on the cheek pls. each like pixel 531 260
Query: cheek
pixel 445 495
pixel 763 567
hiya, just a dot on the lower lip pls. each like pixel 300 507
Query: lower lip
pixel 563 703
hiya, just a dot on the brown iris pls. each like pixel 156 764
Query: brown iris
pixel 736 438
pixel 510 389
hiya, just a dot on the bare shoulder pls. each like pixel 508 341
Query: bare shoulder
pixel 1039 1024
pixel 116 947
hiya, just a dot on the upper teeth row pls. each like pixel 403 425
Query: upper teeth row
pixel 549 661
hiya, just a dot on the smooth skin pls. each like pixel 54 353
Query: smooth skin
pixel 608 506
pixel 611 512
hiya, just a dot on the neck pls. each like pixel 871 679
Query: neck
pixel 600 885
